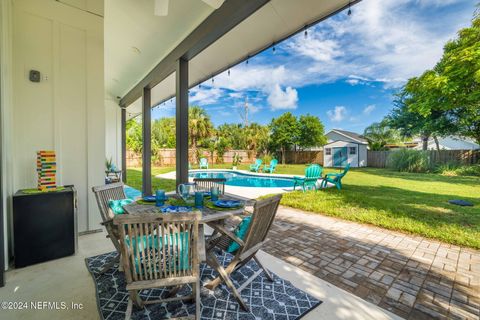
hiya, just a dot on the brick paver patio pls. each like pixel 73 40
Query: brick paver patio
pixel 411 276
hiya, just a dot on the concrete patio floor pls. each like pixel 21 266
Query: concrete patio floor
pixel 414 277
pixel 68 280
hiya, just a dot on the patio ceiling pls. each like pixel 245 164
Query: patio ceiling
pixel 136 39
pixel 272 23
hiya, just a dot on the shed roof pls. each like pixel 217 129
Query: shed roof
pixel 351 135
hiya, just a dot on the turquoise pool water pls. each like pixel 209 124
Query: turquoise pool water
pixel 245 180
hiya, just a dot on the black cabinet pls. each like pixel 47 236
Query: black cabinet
pixel 44 226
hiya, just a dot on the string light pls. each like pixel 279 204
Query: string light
pixel 213 80
pixel 273 49
pixel 305 33
pixel 200 86
pixel 248 57
pixel 349 8
pixel 229 72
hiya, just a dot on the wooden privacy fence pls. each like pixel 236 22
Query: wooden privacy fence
pixel 378 159
pixel 167 157
pixel 303 157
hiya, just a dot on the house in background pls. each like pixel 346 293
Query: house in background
pixel 449 143
pixel 345 147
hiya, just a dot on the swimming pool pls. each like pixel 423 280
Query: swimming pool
pixel 239 179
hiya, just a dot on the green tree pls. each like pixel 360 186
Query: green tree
pixel 453 86
pixel 311 132
pixel 234 134
pixel 284 132
pixel 199 127
pixel 163 132
pixel 410 123
pixel 256 137
pixel 134 135
pixel 379 134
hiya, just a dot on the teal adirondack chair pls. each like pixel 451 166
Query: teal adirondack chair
pixel 335 178
pixel 203 163
pixel 256 166
pixel 271 168
pixel 312 174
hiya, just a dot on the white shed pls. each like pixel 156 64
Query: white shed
pixel 345 147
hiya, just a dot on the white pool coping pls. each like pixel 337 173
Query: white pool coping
pixel 248 192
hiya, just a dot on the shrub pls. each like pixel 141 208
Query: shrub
pixel 267 158
pixel 469 170
pixel 451 169
pixel 408 160
pixel 447 169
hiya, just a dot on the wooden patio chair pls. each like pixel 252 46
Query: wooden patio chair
pixel 104 194
pixel 160 250
pixel 204 184
pixel 260 223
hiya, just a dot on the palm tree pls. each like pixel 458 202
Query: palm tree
pixel 379 134
pixel 199 126
pixel 256 138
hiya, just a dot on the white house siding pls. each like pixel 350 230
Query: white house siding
pixel 359 159
pixel 65 111
pixel 113 131
pixel 450 143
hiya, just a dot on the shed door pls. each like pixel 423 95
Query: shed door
pixel 340 157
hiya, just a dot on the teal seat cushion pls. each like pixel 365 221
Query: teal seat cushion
pixel 117 205
pixel 146 242
pixel 240 232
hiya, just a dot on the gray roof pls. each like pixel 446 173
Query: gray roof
pixel 352 135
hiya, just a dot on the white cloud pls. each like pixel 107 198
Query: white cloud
pixel 337 114
pixel 281 100
pixel 353 82
pixel 385 42
pixel 236 95
pixel 369 109
pixel 322 50
pixel 205 96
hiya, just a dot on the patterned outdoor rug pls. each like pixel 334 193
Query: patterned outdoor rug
pixel 278 300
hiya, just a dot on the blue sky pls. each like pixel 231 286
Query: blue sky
pixel 345 71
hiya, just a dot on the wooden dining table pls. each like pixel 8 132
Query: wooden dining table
pixel 209 215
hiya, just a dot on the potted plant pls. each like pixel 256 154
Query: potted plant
pixel 109 166
pixel 236 160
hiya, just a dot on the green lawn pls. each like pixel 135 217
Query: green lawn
pixel 410 202
pixel 134 179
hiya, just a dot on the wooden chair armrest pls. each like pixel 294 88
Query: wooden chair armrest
pixel 107 222
pixel 221 229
